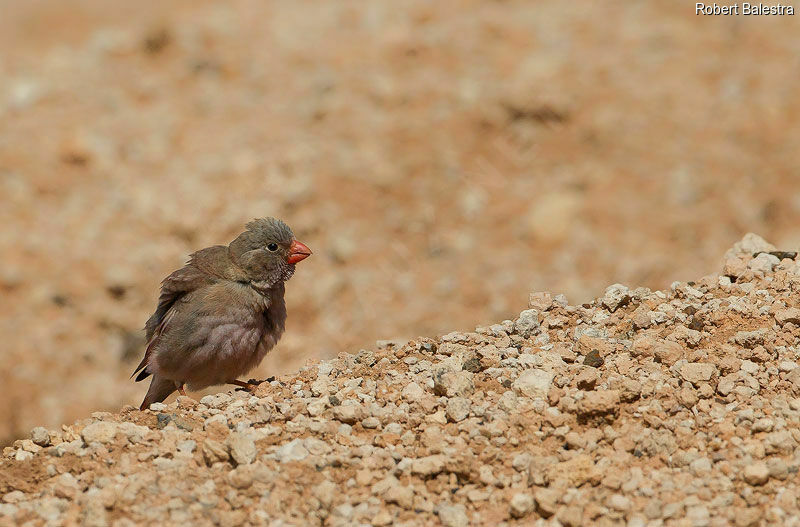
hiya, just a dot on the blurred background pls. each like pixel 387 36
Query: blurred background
pixel 442 159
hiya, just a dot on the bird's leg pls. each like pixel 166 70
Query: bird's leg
pixel 249 386
pixel 182 391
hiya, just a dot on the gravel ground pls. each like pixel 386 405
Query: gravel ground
pixel 454 153
pixel 676 407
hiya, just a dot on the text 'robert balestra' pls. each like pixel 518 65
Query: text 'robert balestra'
pixel 743 9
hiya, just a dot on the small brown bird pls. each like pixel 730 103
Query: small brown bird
pixel 219 315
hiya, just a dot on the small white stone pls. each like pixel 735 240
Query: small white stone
pixel 521 504
pixel 763 263
pixel 749 366
pixel 101 432
pixel 787 366
pixel 23 455
pixel 697 372
pixel 458 409
pixel 615 296
pixel 242 447
pixel 412 392
pixel 700 466
pixel 187 447
pixel 533 383
pixel 453 515
pixel 291 451
pixel 756 473
pixel 316 407
pixel 765 424
pixel 528 323
pixel 40 436
pixel 619 502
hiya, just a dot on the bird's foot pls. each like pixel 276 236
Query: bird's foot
pixel 249 386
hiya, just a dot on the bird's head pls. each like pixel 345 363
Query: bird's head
pixel 267 251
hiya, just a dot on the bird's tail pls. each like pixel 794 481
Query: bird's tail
pixel 159 390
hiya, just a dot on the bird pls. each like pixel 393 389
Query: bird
pixel 220 314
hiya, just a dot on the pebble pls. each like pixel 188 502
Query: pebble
pixel 217 401
pixel 700 466
pixel 593 359
pixel 756 473
pixel 428 466
pixel 349 412
pixel 371 423
pixel 749 339
pixel 571 516
pixel 400 495
pixel 540 301
pixel 458 409
pixel 599 403
pixel 697 372
pixel 453 515
pixel 765 424
pixel 787 366
pixel 40 436
pixel 214 452
pixel 546 501
pixel 242 448
pixel 454 384
pixel 587 379
pixel 326 492
pixel 528 323
pixel 412 392
pixel 15 496
pixel 533 383
pixel 101 432
pixel 615 296
pixel 294 450
pixel 187 447
pixel 521 505
pixel 667 352
pixel 619 502
pixel 763 264
pixel 216 424
pixel 788 315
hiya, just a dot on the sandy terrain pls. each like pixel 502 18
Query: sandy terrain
pixel 646 408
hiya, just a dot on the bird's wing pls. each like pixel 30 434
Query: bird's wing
pixel 179 283
pixel 151 343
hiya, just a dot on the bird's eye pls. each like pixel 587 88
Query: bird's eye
pixel 272 247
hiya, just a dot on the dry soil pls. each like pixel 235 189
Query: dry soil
pixel 640 408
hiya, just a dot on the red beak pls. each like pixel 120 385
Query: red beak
pixel 298 251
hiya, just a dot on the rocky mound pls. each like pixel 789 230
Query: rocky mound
pixel 667 407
